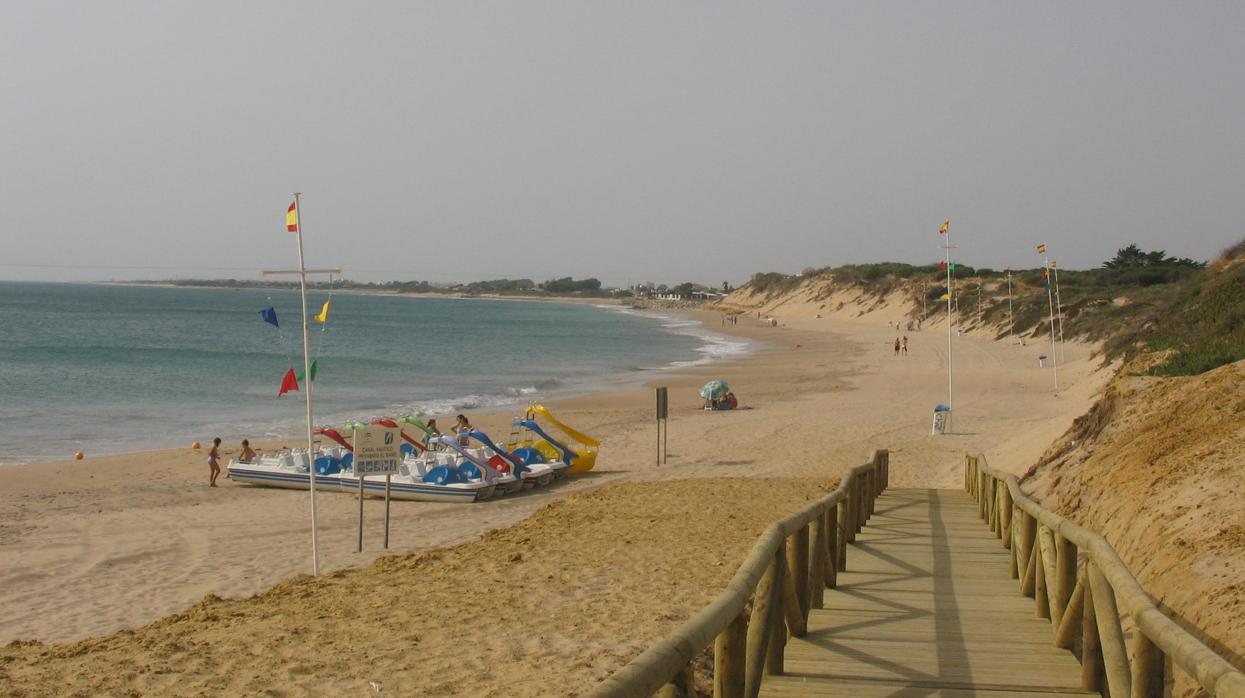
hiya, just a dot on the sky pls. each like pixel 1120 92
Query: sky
pixel 629 141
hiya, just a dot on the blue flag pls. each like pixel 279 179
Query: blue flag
pixel 269 315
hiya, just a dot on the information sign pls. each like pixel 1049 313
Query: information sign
pixel 377 451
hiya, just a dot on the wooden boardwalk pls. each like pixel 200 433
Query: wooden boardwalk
pixel 926 608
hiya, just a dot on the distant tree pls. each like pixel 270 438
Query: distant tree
pixel 1132 257
pixel 685 289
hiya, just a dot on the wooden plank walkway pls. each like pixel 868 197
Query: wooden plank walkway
pixel 926 608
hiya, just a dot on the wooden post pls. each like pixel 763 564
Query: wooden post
pixel 1014 553
pixel 817 571
pixel 730 659
pixel 766 612
pixel 1005 516
pixel 777 644
pixel 992 514
pixel 1039 582
pixel 1065 574
pixel 791 598
pixel 1028 549
pixel 1149 675
pixel 1028 581
pixel 834 538
pixel 1110 635
pixel 852 500
pixel 842 515
pixel 797 562
pixel 679 687
pixel 1091 648
pixel 1046 561
pixel 862 505
pixel 1065 634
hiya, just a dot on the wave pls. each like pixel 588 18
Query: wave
pixel 714 346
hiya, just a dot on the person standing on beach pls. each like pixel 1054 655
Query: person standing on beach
pixel 214 462
pixel 896 346
pixel 463 428
pixel 248 454
pixel 905 345
pixel 432 432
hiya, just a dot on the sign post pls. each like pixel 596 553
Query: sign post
pixel 377 451
pixel 663 415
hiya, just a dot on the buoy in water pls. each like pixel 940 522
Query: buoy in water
pixel 78 456
pixel 195 446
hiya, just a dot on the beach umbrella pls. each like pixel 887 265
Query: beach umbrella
pixel 714 390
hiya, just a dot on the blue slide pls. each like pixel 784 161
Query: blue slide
pixel 567 454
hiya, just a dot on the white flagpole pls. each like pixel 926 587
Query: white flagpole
pixel 1050 301
pixel 950 320
pixel 311 453
pixel 1011 322
pixel 1059 306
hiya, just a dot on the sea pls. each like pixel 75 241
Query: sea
pixel 103 368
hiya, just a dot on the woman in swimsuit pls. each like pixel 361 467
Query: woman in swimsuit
pixel 214 461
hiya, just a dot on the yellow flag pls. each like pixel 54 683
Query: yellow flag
pixel 324 313
pixel 942 229
pixel 1041 249
pixel 944 297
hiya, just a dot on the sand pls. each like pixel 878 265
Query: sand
pixel 115 543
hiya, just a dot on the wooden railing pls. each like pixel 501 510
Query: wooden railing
pixel 785 576
pixel 1083 602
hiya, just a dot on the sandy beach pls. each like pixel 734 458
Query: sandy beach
pixel 111 544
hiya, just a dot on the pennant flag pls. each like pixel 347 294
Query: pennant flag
pixel 1046 277
pixel 288 383
pixel 291 218
pixel 1041 249
pixel 313 371
pixel 942 265
pixel 324 313
pixel 942 230
pixel 269 315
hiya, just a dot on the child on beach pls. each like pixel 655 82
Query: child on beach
pixel 248 454
pixel 214 462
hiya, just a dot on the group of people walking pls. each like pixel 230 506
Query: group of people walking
pixel 901 344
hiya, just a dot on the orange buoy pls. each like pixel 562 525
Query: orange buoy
pixel 195 446
pixel 78 456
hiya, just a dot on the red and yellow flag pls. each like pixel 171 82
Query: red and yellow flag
pixel 291 218
pixel 1041 249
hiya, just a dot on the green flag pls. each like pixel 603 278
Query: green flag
pixel 313 371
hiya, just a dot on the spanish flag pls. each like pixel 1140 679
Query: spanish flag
pixel 324 313
pixel 1042 249
pixel 942 229
pixel 291 218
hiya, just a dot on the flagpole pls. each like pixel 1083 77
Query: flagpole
pixel 950 319
pixel 1059 306
pixel 1011 321
pixel 311 454
pixel 1051 304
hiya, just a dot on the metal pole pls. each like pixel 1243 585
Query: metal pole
pixel 1059 306
pixel 1050 301
pixel 387 476
pixel 1011 322
pixel 950 347
pixel 665 442
pixel 311 453
pixel 358 474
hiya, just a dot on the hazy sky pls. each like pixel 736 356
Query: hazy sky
pixel 662 141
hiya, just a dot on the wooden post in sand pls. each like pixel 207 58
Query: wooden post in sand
pixel 817 563
pixel 730 658
pixel 766 613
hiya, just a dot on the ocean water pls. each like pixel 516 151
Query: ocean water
pixel 107 369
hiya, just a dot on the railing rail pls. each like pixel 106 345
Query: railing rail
pixel 785 576
pixel 1085 605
